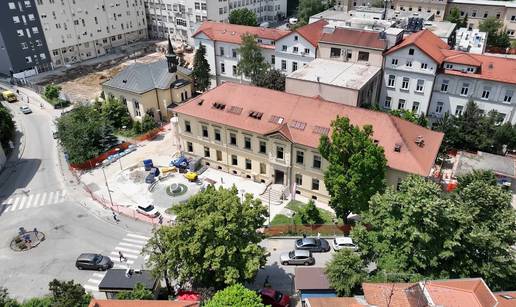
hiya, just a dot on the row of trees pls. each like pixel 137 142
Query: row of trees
pixel 496 33
pixel 421 233
pixel 7 127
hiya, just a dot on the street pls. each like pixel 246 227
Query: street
pixel 37 191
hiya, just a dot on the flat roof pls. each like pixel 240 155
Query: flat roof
pixel 116 280
pixel 485 2
pixel 342 74
pixel 443 29
pixel 500 165
pixel 331 14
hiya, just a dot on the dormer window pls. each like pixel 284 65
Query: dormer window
pixel 448 66
pixel 471 69
pixel 295 38
pixel 411 51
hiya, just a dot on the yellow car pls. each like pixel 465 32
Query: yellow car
pixel 191 176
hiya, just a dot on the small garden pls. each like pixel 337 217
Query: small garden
pixel 52 94
pixel 304 214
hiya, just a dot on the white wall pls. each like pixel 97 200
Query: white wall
pixel 300 57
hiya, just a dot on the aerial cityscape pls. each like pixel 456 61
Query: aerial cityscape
pixel 220 153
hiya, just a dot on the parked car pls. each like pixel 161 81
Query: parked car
pixel 297 257
pixel 148 210
pixel 343 243
pixel 313 244
pixel 273 298
pixel 9 96
pixel 91 261
pixel 25 110
pixel 191 176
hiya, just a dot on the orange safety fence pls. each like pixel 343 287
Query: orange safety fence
pixel 149 135
pixel 92 163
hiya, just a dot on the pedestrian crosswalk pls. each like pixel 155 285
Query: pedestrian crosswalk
pixel 31 200
pixel 131 247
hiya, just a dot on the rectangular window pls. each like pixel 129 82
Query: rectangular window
pixel 219 155
pixel 335 52
pixel 247 142
pixel 315 184
pixel 284 48
pixel 234 53
pixel 263 168
pixel 279 152
pixel 387 102
pixel 232 139
pixel 283 65
pixel 300 157
pixel 392 81
pixel 458 110
pixel 248 164
pixel 188 128
pixel 405 83
pixel 409 63
pixel 206 152
pixel 234 160
pixel 273 59
pixel 444 86
pixel 295 49
pixel 299 179
pixel 316 162
pixel 189 146
pixel 349 54
pixel 420 86
pixel 217 135
pixel 415 107
pixel 401 104
pixel 508 96
pixel 394 62
pixel 222 68
pixel 263 147
pixel 486 92
pixel 205 131
pixel 465 89
pixel 234 70
pixel 363 56
pixel 439 107
pixel 307 51
pixel 294 66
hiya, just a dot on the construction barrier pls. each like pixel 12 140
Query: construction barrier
pixel 309 230
pixel 92 163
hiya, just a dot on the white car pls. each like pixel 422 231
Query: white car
pixel 343 243
pixel 148 210
pixel 25 110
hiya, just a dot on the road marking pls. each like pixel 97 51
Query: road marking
pixel 36 199
pixel 143 242
pixel 91 288
pixel 137 236
pixel 15 204
pixel 130 245
pixel 94 281
pixel 22 203
pixel 101 275
pixel 52 199
pixel 126 254
pixel 43 199
pixel 119 266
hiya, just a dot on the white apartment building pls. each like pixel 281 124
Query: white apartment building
pixel 181 18
pixel 78 30
pixel 409 72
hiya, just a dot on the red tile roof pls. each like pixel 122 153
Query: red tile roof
pixel 334 302
pixel 354 37
pixel 316 114
pixel 394 294
pixel 427 42
pixel 140 303
pixel 506 299
pixel 312 32
pixel 229 33
pixel 471 292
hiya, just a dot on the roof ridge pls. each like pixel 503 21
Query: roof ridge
pixel 394 120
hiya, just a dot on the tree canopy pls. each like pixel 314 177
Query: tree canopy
pixel 52 91
pixel 410 116
pixel 214 242
pixel 308 8
pixel 345 272
pixel 454 16
pixel 116 113
pixel 252 62
pixel 138 293
pixel 419 231
pixel 243 16
pixel 272 79
pixel 496 35
pixel 7 127
pixel 235 295
pixel 68 293
pixel 201 70
pixel 356 169
pixel 309 214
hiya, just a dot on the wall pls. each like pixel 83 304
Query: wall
pixel 333 93
pixel 300 57
pixel 436 7
pixel 375 56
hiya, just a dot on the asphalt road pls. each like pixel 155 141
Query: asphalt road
pixel 35 191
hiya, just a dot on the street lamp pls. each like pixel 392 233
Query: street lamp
pixel 107 186
pixel 119 157
pixel 270 206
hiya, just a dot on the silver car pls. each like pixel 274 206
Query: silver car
pixel 297 257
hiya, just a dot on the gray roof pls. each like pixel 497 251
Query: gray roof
pixel 141 78
pixel 116 280
pixel 500 165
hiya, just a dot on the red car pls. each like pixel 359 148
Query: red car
pixel 274 298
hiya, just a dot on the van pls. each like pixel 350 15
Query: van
pixel 9 96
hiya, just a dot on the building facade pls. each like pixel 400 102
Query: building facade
pixel 435 7
pixel 181 18
pixel 23 48
pixel 79 30
pixel 272 137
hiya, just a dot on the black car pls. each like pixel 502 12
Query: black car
pixel 313 244
pixel 90 261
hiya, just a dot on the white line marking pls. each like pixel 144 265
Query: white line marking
pixel 101 275
pixel 60 196
pixel 119 266
pixel 91 288
pixel 94 281
pixel 36 200
pixel 22 202
pixel 43 199
pixel 128 250
pixel 131 245
pixel 127 256
pixel 50 196
pixel 15 204
pixel 137 236
pixel 135 241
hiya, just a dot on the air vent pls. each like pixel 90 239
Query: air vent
pixel 420 141
pixel 235 110
pixel 200 102
pixel 276 119
pixel 376 141
pixel 321 130
pixel 397 147
pixel 298 125
pixel 219 106
pixel 256 115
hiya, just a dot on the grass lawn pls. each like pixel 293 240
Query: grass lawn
pixel 296 206
pixel 57 103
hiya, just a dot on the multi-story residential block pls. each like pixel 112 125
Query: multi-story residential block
pixel 409 72
pixel 79 30
pixel 272 137
pixel 23 48
pixel 470 40
pixel 435 7
pixel 222 41
pixel 181 18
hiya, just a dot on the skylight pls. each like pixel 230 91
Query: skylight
pixel 256 115
pixel 235 110
pixel 219 106
pixel 321 130
pixel 276 119
pixel 298 125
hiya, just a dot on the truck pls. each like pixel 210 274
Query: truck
pixel 9 96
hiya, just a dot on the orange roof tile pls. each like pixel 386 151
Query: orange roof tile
pixel 229 33
pixel 427 42
pixel 334 302
pixel 312 32
pixel 316 114
pixel 460 57
pixel 354 37
pixel 471 292
pixel 394 294
pixel 141 303
pixel 506 299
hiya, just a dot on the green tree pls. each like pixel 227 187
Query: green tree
pixel 137 127
pixel 503 40
pixel 201 70
pixel 138 293
pixel 272 79
pixel 345 272
pixel 235 295
pixel 476 175
pixel 378 3
pixel 116 113
pixel 214 242
pixel 252 62
pixel 148 123
pixel 45 301
pixel 51 91
pixel 84 133
pixel 5 300
pixel 243 16
pixel 308 8
pixel 356 169
pixel 7 127
pixel 68 293
pixel 410 116
pixel 309 214
pixel 454 17
pixel 492 26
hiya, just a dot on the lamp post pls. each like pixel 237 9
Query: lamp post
pixel 119 158
pixel 269 206
pixel 107 186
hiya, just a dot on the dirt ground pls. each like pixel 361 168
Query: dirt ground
pixel 83 82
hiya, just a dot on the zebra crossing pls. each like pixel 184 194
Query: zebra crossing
pixel 22 201
pixel 131 247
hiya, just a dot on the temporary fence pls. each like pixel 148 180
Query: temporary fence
pixel 92 163
pixel 149 135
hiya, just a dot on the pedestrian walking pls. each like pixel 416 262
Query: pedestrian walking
pixel 115 217
pixel 160 220
pixel 318 235
pixel 35 232
pixel 18 91
pixel 304 236
pixel 122 257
